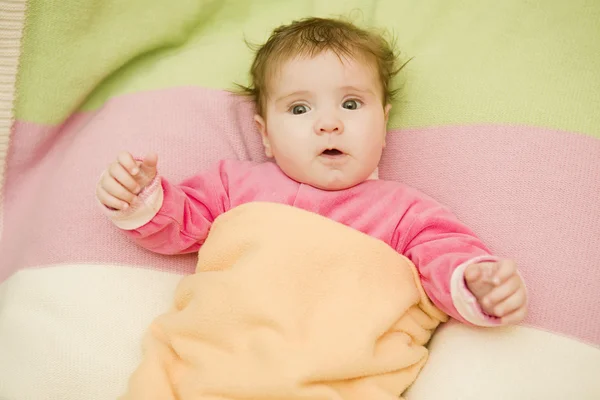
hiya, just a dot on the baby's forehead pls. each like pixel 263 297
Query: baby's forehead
pixel 296 70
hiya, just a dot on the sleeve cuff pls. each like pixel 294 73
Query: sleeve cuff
pixel 465 302
pixel 142 210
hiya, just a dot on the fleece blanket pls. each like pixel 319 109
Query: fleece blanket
pixel 286 304
pixel 497 118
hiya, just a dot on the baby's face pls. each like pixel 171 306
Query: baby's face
pixel 325 121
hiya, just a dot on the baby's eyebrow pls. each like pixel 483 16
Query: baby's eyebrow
pixel 356 89
pixel 293 94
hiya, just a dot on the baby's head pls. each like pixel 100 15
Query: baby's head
pixel 322 89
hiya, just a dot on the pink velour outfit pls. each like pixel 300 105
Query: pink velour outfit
pixel 173 219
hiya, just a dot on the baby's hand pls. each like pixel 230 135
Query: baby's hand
pixel 499 289
pixel 124 179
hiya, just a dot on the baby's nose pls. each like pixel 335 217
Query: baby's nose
pixel 329 125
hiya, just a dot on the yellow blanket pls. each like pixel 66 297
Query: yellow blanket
pixel 286 304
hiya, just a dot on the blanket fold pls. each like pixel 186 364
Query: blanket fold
pixel 286 304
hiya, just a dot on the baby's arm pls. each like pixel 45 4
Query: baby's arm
pixel 174 219
pixel 441 247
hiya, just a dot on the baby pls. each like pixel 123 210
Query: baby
pixel 322 90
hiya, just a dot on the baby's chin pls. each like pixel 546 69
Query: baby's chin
pixel 335 183
pixel 330 180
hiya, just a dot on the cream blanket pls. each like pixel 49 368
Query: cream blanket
pixel 286 304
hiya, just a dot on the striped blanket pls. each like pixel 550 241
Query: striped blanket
pixel 498 117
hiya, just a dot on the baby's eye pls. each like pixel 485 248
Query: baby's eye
pixel 299 109
pixel 352 104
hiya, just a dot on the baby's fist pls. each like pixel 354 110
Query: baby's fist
pixel 499 289
pixel 124 179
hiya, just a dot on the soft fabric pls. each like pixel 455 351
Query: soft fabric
pixel 176 219
pixel 497 118
pixel 288 304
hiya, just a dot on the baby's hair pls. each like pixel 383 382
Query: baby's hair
pixel 311 36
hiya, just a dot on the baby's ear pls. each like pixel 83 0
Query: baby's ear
pixel 262 128
pixel 386 112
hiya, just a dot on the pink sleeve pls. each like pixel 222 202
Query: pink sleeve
pixel 441 247
pixel 175 219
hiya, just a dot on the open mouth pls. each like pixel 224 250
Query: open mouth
pixel 332 152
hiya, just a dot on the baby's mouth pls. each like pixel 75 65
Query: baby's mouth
pixel 332 152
